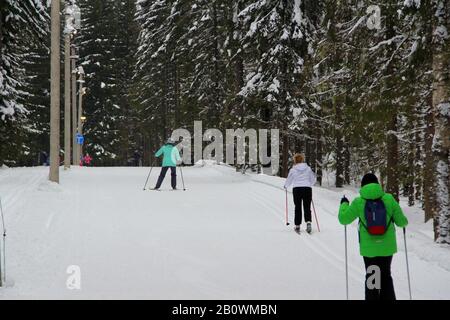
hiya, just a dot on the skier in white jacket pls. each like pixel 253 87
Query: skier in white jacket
pixel 301 178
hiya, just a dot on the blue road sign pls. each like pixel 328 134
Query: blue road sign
pixel 80 139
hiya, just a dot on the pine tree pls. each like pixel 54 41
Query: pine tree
pixel 160 68
pixel 23 26
pixel 278 34
pixel 105 43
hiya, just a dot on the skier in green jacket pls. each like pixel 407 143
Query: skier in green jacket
pixel 377 250
pixel 170 157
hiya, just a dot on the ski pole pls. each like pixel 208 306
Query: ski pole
pixel 146 181
pixel 407 264
pixel 182 178
pixel 287 215
pixel 315 215
pixel 4 248
pixel 346 263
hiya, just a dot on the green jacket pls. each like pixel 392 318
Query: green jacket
pixel 369 245
pixel 170 155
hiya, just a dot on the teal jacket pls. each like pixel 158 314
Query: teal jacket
pixel 374 246
pixel 170 155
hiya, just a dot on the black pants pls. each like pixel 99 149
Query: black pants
pixel 386 291
pixel 173 171
pixel 302 195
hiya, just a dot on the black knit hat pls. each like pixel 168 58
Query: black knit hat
pixel 369 178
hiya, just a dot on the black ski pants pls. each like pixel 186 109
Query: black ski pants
pixel 386 291
pixel 173 171
pixel 302 196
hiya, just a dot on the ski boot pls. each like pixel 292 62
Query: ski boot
pixel 308 228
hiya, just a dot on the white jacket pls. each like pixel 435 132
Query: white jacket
pixel 301 175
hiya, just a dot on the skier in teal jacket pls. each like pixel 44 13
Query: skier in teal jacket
pixel 170 157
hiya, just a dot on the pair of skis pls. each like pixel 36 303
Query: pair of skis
pixel 153 189
pixel 299 233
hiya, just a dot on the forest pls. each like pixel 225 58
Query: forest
pixel 358 86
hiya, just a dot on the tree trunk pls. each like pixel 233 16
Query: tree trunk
pixel 177 94
pixel 319 160
pixel 165 103
pixel 339 145
pixel 285 156
pixel 237 109
pixel 441 111
pixel 428 172
pixel 55 92
pixel 67 104
pixel 1 31
pixel 392 157
pixel 216 73
pixel 74 111
pixel 411 175
pixel 347 165
pixel 308 153
pixel 313 157
pixel 392 172
pixel 418 176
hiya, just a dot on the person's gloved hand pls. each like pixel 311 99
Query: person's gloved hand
pixel 344 200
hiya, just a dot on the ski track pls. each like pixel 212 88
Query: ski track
pixel 129 246
pixel 319 247
pixel 413 243
pixel 23 184
pixel 336 261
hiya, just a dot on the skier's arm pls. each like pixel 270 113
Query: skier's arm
pixel 159 152
pixel 288 182
pixel 399 217
pixel 348 212
pixel 177 154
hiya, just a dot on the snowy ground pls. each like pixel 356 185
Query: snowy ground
pixel 224 238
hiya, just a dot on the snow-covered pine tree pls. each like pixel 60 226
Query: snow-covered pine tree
pixel 417 92
pixel 23 25
pixel 122 72
pixel 106 42
pixel 149 96
pixel 162 65
pixel 332 58
pixel 235 107
pixel 278 35
pixel 36 124
pixel 207 36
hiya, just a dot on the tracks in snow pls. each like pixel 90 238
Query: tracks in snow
pixel 16 187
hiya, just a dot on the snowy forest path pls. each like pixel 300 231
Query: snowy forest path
pixel 223 238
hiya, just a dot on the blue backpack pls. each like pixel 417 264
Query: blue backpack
pixel 376 217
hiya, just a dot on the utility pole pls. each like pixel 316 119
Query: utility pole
pixel 73 24
pixel 80 109
pixel 74 108
pixel 55 93
pixel 67 96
